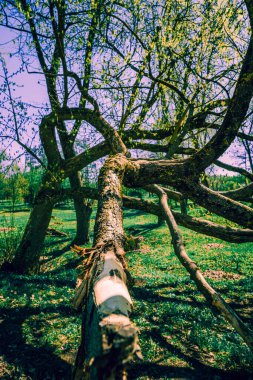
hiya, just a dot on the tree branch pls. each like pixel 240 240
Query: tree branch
pixel 229 234
pixel 236 112
pixel 209 293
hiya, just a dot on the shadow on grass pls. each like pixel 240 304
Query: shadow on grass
pixel 54 254
pixel 23 358
pixel 141 230
pixel 40 363
pixel 199 367
pixel 64 267
pixel 56 241
pixel 149 296
pixel 161 371
pixel 42 282
pixel 29 284
pixel 201 370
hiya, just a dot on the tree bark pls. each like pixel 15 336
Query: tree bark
pixel 83 210
pixel 235 169
pixel 109 339
pixel 218 204
pixel 183 206
pixel 28 253
pixel 82 207
pixel 236 113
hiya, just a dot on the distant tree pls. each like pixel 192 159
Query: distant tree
pixel 33 177
pixel 15 186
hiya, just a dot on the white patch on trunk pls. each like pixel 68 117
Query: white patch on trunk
pixel 110 292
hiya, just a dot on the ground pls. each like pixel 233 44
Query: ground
pixel 180 337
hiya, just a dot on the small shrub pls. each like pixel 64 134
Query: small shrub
pixel 9 239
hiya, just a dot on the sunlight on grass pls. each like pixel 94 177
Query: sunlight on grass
pixel 177 328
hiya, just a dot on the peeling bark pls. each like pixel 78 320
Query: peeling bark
pixel 109 339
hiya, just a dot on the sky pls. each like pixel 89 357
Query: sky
pixel 30 90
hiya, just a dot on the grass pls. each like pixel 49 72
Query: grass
pixel 180 336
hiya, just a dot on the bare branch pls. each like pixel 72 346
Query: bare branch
pixel 210 294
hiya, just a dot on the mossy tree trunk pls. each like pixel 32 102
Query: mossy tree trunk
pixel 29 250
pixel 109 339
pixel 83 210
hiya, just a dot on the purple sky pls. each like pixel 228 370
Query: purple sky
pixel 31 91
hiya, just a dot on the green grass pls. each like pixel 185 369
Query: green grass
pixel 180 336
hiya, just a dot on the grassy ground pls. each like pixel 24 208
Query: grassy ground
pixel 180 336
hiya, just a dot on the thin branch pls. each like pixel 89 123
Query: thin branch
pixel 209 293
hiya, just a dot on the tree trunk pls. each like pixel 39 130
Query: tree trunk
pixel 28 253
pixel 183 206
pixel 83 210
pixel 160 221
pixel 109 339
pixel 27 256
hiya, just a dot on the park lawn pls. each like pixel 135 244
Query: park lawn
pixel 180 337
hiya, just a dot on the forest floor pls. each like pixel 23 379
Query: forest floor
pixel 180 337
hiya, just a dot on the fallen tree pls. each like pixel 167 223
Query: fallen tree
pixel 165 97
pixel 109 339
